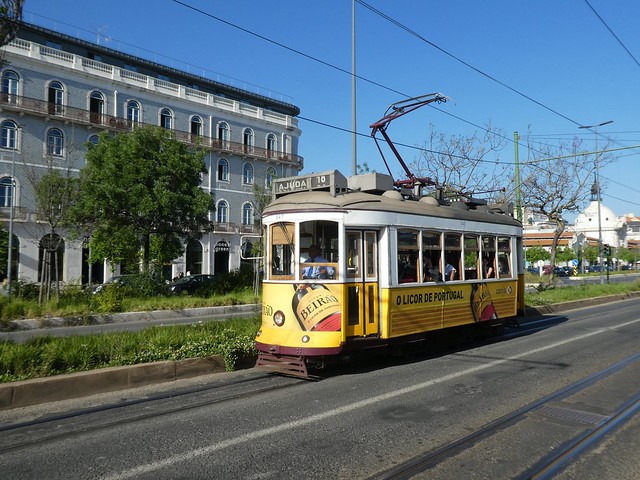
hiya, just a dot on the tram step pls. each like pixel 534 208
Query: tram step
pixel 286 365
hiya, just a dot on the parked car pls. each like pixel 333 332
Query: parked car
pixel 115 280
pixel 191 283
pixel 563 271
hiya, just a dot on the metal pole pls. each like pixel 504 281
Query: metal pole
pixel 13 197
pixel 599 214
pixel 354 143
pixel 516 137
pixel 595 129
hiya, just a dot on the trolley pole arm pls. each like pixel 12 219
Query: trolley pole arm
pixel 398 110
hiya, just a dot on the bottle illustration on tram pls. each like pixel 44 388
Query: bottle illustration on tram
pixel 316 308
pixel 481 303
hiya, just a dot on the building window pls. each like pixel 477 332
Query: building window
pixel 247 140
pixel 271 145
pixel 133 112
pixel 247 214
pixel 55 142
pixel 196 125
pixel 223 170
pixel 6 192
pixel 166 119
pixel 270 177
pixel 10 82
pixel 56 98
pixel 222 212
pixel 223 134
pixel 8 134
pixel 247 174
pixel 96 107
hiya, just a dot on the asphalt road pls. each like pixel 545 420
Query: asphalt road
pixel 363 419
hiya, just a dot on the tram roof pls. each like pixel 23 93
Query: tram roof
pixel 390 201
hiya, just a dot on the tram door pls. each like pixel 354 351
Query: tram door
pixel 362 283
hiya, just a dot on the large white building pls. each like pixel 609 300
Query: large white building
pixel 58 92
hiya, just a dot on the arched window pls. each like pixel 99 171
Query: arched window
pixel 223 170
pixel 196 125
pixel 9 134
pixel 6 192
pixel 222 212
pixel 247 140
pixel 10 83
pixel 133 112
pixel 272 145
pixel 55 142
pixel 247 214
pixel 56 98
pixel 247 174
pixel 270 177
pixel 224 134
pixel 166 119
pixel 96 107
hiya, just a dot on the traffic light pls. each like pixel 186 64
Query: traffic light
pixel 607 250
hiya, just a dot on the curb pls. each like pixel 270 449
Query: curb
pixel 65 387
pixel 155 316
pixel 575 304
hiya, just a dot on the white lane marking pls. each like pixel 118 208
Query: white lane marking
pixel 209 449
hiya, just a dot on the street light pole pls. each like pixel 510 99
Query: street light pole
pixel 595 129
pixel 13 201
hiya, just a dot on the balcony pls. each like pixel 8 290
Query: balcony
pixel 43 108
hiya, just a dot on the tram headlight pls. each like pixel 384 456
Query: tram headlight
pixel 278 318
pixel 305 339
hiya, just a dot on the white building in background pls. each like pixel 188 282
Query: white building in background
pixel 58 92
pixel 614 229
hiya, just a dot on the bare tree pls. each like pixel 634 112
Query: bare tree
pixel 557 182
pixel 464 165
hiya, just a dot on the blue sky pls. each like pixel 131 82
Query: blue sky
pixel 575 66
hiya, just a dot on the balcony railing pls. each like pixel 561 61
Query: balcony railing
pixel 16 103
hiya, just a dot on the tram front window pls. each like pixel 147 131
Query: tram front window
pixel 319 250
pixel 281 251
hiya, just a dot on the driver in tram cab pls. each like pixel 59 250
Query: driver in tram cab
pixel 317 271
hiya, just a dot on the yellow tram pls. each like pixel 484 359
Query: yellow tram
pixel 352 262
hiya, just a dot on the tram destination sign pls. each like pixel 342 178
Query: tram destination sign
pixel 332 181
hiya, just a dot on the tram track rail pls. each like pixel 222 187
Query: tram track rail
pixel 597 427
pixel 20 435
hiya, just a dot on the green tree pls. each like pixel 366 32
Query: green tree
pixel 591 254
pixel 565 254
pixel 140 194
pixel 535 254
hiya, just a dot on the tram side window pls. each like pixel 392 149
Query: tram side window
pixel 471 257
pixel 281 251
pixel 504 257
pixel 319 245
pixel 488 256
pixel 408 256
pixel 353 254
pixel 432 256
pixel 452 253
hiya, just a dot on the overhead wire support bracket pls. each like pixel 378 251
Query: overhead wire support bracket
pixel 397 110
